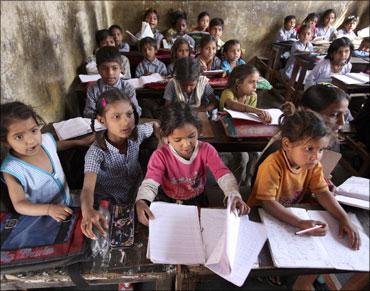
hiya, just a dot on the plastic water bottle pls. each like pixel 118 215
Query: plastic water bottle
pixel 100 246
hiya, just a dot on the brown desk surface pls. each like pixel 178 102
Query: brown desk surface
pixel 134 267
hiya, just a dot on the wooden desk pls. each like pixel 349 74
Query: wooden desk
pixel 134 267
pixel 223 143
pixel 351 89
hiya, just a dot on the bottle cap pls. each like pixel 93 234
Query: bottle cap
pixel 104 203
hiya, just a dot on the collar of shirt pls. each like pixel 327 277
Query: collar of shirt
pixel 112 148
pixel 155 62
pixel 118 84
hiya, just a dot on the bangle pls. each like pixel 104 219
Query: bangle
pixel 47 211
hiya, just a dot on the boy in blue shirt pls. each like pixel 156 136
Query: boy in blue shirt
pixel 109 65
pixel 150 64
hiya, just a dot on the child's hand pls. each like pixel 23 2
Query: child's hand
pixel 87 140
pixel 304 224
pixel 59 212
pixel 238 203
pixel 264 116
pixel 92 218
pixel 347 227
pixel 143 212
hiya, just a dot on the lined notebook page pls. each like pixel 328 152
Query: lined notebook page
pixel 356 187
pixel 74 127
pixel 251 238
pixel 289 250
pixel 340 254
pixel 274 112
pixel 174 235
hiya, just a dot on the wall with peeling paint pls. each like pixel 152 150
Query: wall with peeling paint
pixel 44 42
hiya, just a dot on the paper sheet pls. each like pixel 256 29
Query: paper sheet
pixel 342 257
pixel 251 238
pixel 140 82
pixel 275 114
pixel 289 250
pixel 91 78
pixel 363 204
pixel 74 127
pixel 171 240
pixel 353 78
pixel 355 187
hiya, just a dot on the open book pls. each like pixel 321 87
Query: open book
pixel 289 250
pixel 145 31
pixel 354 192
pixel 74 127
pixel 225 243
pixel 275 114
pixel 213 73
pixel 91 78
pixel 353 78
pixel 140 82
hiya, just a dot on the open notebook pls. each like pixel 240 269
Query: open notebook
pixel 274 112
pixel 353 78
pixel 225 243
pixel 140 82
pixel 74 127
pixel 289 250
pixel 354 192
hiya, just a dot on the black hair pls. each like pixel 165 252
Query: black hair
pixel 216 22
pixel 297 124
pixel 106 98
pixel 176 15
pixel 149 11
pixel 176 115
pixel 206 40
pixel 101 35
pixel 320 96
pixel 349 19
pixel 326 14
pixel 115 26
pixel 303 28
pixel 148 40
pixel 13 111
pixel 202 14
pixel 366 39
pixel 309 17
pixel 229 44
pixel 289 18
pixel 179 41
pixel 187 69
pixel 108 54
pixel 239 73
pixel 336 45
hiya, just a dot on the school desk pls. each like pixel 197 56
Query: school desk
pixel 131 265
pixel 353 88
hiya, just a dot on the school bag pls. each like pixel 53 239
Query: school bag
pixel 35 243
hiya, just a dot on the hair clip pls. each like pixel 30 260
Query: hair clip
pixel 326 84
pixel 103 102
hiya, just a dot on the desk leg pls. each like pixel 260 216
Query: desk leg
pixel 178 280
pixel 304 282
pixel 357 282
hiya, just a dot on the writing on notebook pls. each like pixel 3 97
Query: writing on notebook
pixel 274 112
pixel 225 243
pixel 302 251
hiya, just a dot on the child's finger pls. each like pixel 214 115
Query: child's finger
pixel 99 228
pixel 149 213
pixel 68 210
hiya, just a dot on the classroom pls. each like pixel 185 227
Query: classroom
pixel 185 145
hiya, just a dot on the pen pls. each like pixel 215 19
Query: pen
pixel 308 229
